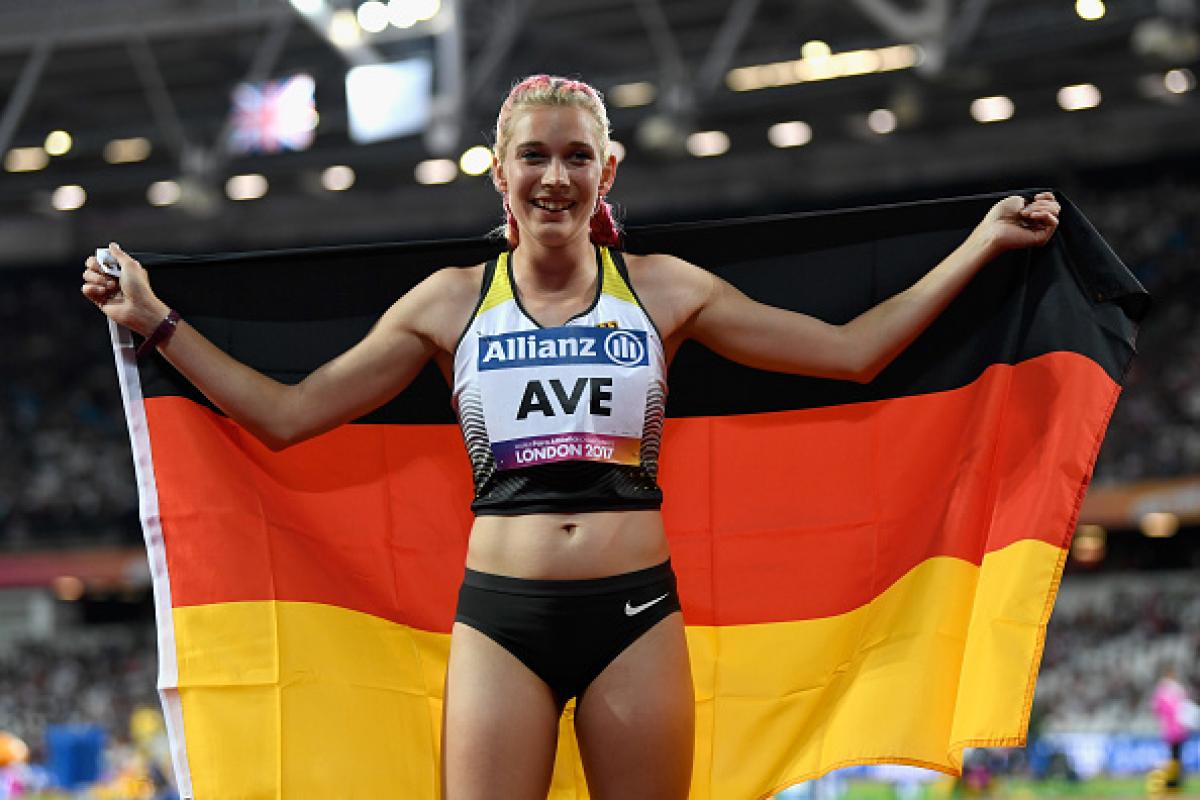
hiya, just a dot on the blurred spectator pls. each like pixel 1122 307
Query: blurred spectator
pixel 1175 711
pixel 1106 645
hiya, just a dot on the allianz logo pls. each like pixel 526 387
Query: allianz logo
pixel 621 347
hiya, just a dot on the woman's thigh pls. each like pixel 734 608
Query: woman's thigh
pixel 636 721
pixel 499 725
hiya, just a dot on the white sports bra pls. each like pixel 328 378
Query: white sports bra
pixel 566 418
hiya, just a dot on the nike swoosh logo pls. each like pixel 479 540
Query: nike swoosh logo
pixel 630 610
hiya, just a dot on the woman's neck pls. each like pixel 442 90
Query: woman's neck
pixel 565 270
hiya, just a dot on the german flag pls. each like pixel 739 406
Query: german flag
pixel 866 570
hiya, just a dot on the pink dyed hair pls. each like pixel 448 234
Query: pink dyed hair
pixel 551 90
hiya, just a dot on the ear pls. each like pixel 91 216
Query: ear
pixel 608 174
pixel 498 179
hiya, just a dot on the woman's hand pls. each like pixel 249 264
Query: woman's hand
pixel 1012 223
pixel 128 301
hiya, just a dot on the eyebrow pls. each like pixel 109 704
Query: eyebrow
pixel 588 145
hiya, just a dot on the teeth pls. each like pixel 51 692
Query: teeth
pixel 553 205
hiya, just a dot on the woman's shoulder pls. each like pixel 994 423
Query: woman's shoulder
pixel 671 288
pixel 444 301
pixel 667 271
pixel 455 282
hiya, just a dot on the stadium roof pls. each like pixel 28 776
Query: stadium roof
pixel 164 70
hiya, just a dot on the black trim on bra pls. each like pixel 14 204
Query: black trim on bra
pixel 623 270
pixel 489 273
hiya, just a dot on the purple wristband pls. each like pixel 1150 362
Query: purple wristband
pixel 161 334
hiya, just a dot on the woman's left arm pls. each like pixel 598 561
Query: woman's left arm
pixel 766 337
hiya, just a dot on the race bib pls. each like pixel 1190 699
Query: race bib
pixel 564 394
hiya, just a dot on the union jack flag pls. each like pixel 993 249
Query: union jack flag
pixel 274 115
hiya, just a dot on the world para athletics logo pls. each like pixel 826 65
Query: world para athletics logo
pixel 623 348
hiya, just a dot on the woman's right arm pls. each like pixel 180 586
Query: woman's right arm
pixel 364 377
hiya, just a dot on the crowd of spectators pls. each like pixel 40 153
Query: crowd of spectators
pixel 97 677
pixel 1109 640
pixel 66 475
pixel 1155 430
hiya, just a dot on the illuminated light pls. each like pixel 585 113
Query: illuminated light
pixel 814 50
pixel 617 149
pixel 706 144
pixel 1178 81
pixel 67 588
pixel 1078 97
pixel 476 161
pixel 402 13
pixel 246 187
pixel 309 8
pixel 1088 545
pixel 1090 9
pixel 901 56
pixel 127 151
pixel 25 159
pixel 741 79
pixel 790 134
pixel 343 29
pixel 435 171
pixel 823 67
pixel 425 10
pixel 58 143
pixel 68 198
pixel 338 178
pixel 882 121
pixel 856 62
pixel 1159 524
pixel 992 109
pixel 631 95
pixel 372 16
pixel 163 193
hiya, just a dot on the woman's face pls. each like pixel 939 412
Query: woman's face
pixel 553 171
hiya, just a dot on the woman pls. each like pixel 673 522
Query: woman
pixel 557 353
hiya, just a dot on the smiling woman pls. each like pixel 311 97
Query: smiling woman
pixel 557 351
pixel 581 122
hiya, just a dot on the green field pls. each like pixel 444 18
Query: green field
pixel 1024 789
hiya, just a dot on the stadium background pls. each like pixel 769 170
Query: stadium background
pixel 722 109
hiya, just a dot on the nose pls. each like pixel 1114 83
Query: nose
pixel 556 173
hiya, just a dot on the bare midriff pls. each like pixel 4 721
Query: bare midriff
pixel 567 546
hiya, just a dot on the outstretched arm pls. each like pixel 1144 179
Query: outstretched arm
pixel 364 377
pixel 766 337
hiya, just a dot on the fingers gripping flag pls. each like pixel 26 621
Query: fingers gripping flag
pixel 866 571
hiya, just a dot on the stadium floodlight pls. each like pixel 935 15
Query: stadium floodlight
pixel 992 109
pixel 882 121
pixel 632 95
pixel 1179 81
pixel 163 193
pixel 25 159
pixel 338 178
pixel 68 198
pixel 706 144
pixel 127 151
pixel 793 133
pixel 246 187
pixel 476 160
pixel 1090 10
pixel 1078 97
pixel 435 171
pixel 58 143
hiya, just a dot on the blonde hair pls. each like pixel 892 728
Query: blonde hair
pixel 552 90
